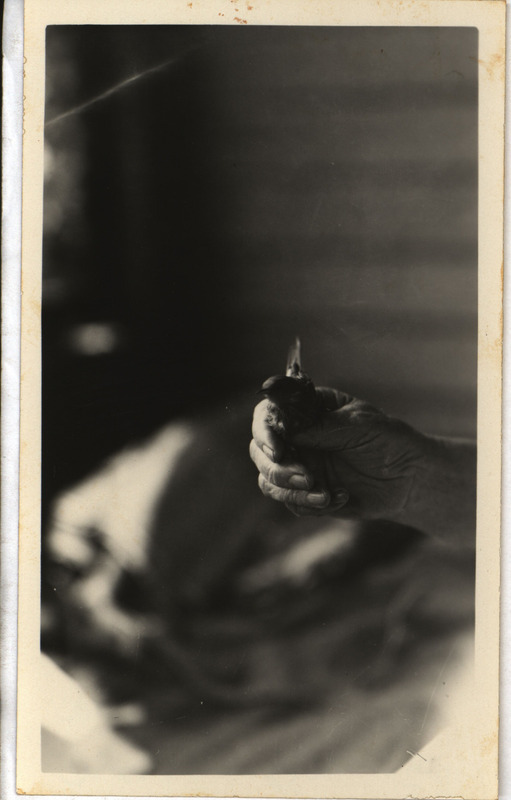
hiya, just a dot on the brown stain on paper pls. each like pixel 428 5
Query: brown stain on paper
pixel 493 348
pixel 494 66
pixel 488 745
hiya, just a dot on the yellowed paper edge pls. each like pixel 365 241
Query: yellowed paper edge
pixel 462 762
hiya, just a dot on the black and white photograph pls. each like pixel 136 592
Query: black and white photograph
pixel 260 339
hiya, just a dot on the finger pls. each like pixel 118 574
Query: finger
pixel 337 429
pixel 265 438
pixel 337 502
pixel 332 399
pixel 299 497
pixel 288 475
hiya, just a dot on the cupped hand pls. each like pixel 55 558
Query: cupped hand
pixel 354 462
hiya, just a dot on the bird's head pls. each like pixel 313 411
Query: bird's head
pixel 282 390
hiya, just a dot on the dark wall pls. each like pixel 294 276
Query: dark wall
pixel 266 182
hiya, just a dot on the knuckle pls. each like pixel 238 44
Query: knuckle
pixel 267 489
pixel 273 474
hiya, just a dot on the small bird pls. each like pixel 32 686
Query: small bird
pixel 294 403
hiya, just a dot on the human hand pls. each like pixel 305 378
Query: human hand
pixel 354 462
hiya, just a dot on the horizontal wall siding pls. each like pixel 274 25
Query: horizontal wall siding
pixel 267 182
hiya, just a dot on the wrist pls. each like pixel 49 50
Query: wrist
pixel 442 498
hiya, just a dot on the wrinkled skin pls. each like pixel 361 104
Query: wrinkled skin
pixel 354 462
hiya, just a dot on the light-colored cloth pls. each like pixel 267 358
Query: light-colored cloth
pixel 76 732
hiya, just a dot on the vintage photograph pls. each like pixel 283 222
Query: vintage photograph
pixel 260 352
pixel 210 194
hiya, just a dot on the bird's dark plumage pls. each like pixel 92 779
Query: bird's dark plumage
pixel 293 401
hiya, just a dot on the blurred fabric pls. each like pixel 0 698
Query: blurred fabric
pixel 76 732
pixel 251 640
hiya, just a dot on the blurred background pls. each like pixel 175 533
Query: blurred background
pixel 265 182
pixel 210 193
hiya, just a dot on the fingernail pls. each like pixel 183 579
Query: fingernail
pixel 317 499
pixel 298 481
pixel 341 497
pixel 269 452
